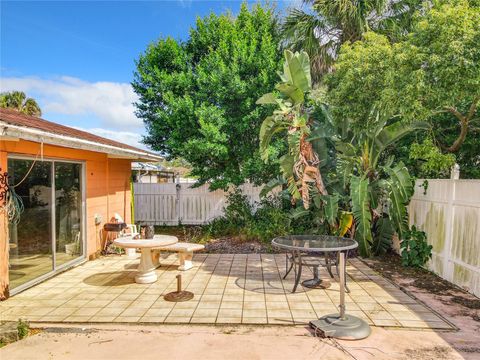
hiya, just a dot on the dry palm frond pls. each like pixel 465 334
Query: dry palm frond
pixel 307 171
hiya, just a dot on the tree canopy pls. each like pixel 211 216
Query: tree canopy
pixel 197 97
pixel 432 75
pixel 322 29
pixel 19 101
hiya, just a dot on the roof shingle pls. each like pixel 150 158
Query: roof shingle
pixel 14 117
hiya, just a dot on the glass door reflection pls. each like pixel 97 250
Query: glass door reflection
pixel 30 241
pixel 68 212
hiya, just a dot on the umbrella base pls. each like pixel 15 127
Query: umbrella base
pixel 179 296
pixel 348 328
pixel 316 284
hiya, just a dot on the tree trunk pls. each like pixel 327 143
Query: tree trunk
pixel 461 137
pixel 464 121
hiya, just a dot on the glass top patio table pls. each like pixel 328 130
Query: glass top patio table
pixel 298 244
pixel 314 243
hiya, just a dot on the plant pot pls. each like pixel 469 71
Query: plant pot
pixel 71 249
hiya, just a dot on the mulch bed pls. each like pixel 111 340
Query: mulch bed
pixel 236 246
pixel 221 245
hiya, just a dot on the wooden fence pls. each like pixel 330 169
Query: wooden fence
pixel 449 212
pixel 172 204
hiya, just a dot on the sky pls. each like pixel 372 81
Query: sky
pixel 77 58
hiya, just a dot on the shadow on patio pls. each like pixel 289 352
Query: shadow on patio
pixel 228 288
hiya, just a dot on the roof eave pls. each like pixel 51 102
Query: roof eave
pixel 14 131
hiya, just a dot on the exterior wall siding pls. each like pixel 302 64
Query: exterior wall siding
pixel 107 185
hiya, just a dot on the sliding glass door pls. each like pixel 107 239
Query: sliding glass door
pixel 49 233
pixel 31 239
pixel 68 212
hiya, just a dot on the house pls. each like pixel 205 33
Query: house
pixel 67 184
pixel 151 173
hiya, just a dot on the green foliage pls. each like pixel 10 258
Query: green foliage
pixel 321 30
pixel 383 232
pixel 238 210
pixel 358 180
pixel 261 222
pixel 432 162
pixel 197 98
pixel 360 78
pixel 22 328
pixel 17 100
pixel 292 117
pixel 431 74
pixel 415 249
pixel 379 189
pixel 362 214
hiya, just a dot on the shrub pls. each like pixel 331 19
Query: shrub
pixel 262 221
pixel 269 221
pixel 415 249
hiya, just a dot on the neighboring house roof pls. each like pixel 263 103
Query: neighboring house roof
pixel 147 166
pixel 18 125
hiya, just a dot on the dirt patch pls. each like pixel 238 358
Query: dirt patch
pixel 390 266
pixel 429 353
pixel 221 245
pixel 469 303
pixel 236 246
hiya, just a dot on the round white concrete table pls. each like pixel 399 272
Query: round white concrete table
pixel 146 268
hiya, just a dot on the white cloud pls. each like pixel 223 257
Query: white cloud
pixel 110 102
pixel 126 137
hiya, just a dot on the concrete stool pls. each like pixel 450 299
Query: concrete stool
pixel 185 253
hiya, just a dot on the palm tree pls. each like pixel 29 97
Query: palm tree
pixel 18 100
pixel 321 30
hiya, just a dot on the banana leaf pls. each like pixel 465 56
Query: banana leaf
pixel 297 70
pixel 331 208
pixel 270 127
pixel 269 98
pixel 345 222
pixel 383 232
pixel 361 213
pixel 400 191
pixel 272 184
pixel 390 134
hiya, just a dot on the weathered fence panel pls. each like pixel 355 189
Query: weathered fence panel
pixel 171 204
pixel 449 212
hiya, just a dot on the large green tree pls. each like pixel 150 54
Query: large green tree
pixel 17 100
pixel 431 75
pixel 197 97
pixel 325 25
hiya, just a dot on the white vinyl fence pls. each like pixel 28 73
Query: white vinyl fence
pixel 172 204
pixel 449 212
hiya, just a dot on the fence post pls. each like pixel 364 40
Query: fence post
pixel 448 266
pixel 178 188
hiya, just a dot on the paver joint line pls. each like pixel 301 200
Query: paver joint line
pixel 229 289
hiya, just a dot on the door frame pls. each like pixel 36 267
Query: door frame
pixel 83 224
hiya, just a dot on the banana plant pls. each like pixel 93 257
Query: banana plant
pixel 340 176
pixel 380 190
pixel 292 116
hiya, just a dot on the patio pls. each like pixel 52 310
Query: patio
pixel 228 288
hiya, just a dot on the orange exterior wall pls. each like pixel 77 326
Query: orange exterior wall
pixel 107 187
pixel 3 236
